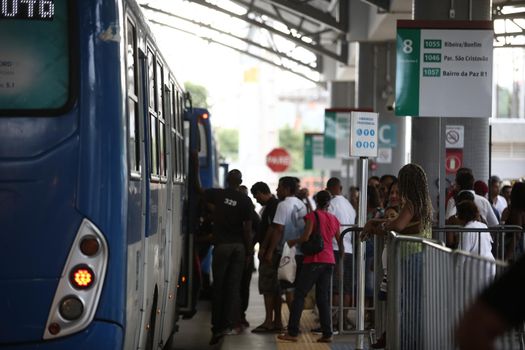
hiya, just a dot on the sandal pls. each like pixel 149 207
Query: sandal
pixel 287 337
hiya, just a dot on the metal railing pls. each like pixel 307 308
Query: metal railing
pixel 507 240
pixel 429 287
pixel 346 314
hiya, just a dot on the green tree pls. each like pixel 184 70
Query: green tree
pixel 292 141
pixel 199 94
pixel 228 140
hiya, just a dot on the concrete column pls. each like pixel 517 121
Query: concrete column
pixel 426 131
pixel 342 95
pixel 376 80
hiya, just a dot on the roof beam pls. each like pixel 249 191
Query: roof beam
pixel 382 4
pixel 311 13
pixel 281 55
pixel 244 52
pixel 342 57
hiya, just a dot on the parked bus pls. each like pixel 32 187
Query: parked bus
pixel 92 178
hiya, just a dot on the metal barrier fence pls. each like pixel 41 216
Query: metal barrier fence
pixel 346 314
pixel 507 240
pixel 429 286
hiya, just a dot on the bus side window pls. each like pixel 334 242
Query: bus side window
pixel 175 146
pixel 181 154
pixel 133 100
pixel 153 137
pixel 161 120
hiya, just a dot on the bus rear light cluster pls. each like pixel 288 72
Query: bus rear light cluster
pixel 78 292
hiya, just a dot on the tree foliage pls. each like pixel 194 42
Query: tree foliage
pixel 292 141
pixel 199 94
pixel 228 140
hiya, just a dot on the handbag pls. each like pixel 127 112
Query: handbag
pixel 315 243
pixel 287 265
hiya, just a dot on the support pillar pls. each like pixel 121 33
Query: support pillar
pixel 376 80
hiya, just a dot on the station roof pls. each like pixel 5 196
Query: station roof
pixel 302 36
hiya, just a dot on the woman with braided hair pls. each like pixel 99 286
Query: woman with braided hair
pixel 415 218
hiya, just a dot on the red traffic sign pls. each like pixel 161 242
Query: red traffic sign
pixel 278 160
pixel 453 160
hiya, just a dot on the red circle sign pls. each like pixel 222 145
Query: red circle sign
pixel 278 160
pixel 453 162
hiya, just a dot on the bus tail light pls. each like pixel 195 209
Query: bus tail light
pixel 82 277
pixel 78 292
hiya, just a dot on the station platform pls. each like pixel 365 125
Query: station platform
pixel 194 334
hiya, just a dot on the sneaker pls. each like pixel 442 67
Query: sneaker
pixel 316 330
pixel 234 331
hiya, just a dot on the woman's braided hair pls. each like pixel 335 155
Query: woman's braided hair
pixel 413 188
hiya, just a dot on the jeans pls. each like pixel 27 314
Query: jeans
pixel 320 275
pixel 228 266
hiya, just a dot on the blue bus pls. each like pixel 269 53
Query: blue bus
pixel 92 178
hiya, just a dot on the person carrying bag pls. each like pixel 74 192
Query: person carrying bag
pixel 318 266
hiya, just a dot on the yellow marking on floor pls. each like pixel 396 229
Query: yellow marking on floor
pixel 307 340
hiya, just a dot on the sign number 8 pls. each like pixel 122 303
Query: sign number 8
pixel 407 46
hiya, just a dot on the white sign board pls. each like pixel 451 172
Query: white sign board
pixel 455 136
pixel 384 155
pixel 363 134
pixel 444 68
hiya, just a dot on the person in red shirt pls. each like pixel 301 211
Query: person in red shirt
pixel 317 269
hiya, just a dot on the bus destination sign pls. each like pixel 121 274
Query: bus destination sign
pixel 27 9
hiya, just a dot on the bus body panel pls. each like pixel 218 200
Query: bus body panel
pixel 102 177
pixel 99 335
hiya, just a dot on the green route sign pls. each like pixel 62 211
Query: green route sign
pixel 444 68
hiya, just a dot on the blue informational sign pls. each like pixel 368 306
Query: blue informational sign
pixel 363 134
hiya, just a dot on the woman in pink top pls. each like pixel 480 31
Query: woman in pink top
pixel 317 269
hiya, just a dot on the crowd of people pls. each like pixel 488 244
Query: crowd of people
pixel 401 203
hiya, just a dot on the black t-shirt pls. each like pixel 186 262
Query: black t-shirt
pixel 232 208
pixel 267 218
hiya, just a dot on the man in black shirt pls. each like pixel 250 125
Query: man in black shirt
pixel 232 241
pixel 268 282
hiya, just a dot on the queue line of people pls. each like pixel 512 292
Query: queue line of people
pixel 395 203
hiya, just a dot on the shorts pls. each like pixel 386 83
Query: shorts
pixel 268 282
pixel 347 274
pixel 287 286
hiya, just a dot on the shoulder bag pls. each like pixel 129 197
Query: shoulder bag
pixel 315 243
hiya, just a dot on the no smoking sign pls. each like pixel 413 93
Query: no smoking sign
pixel 454 136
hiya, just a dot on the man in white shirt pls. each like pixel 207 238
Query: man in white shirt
pixel 346 214
pixel 465 182
pixel 497 201
pixel 288 223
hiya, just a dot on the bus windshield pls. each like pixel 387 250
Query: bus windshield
pixel 34 56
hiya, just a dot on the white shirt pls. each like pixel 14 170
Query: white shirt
pixel 500 205
pixel 484 207
pixel 478 243
pixel 345 213
pixel 290 214
pixel 475 242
